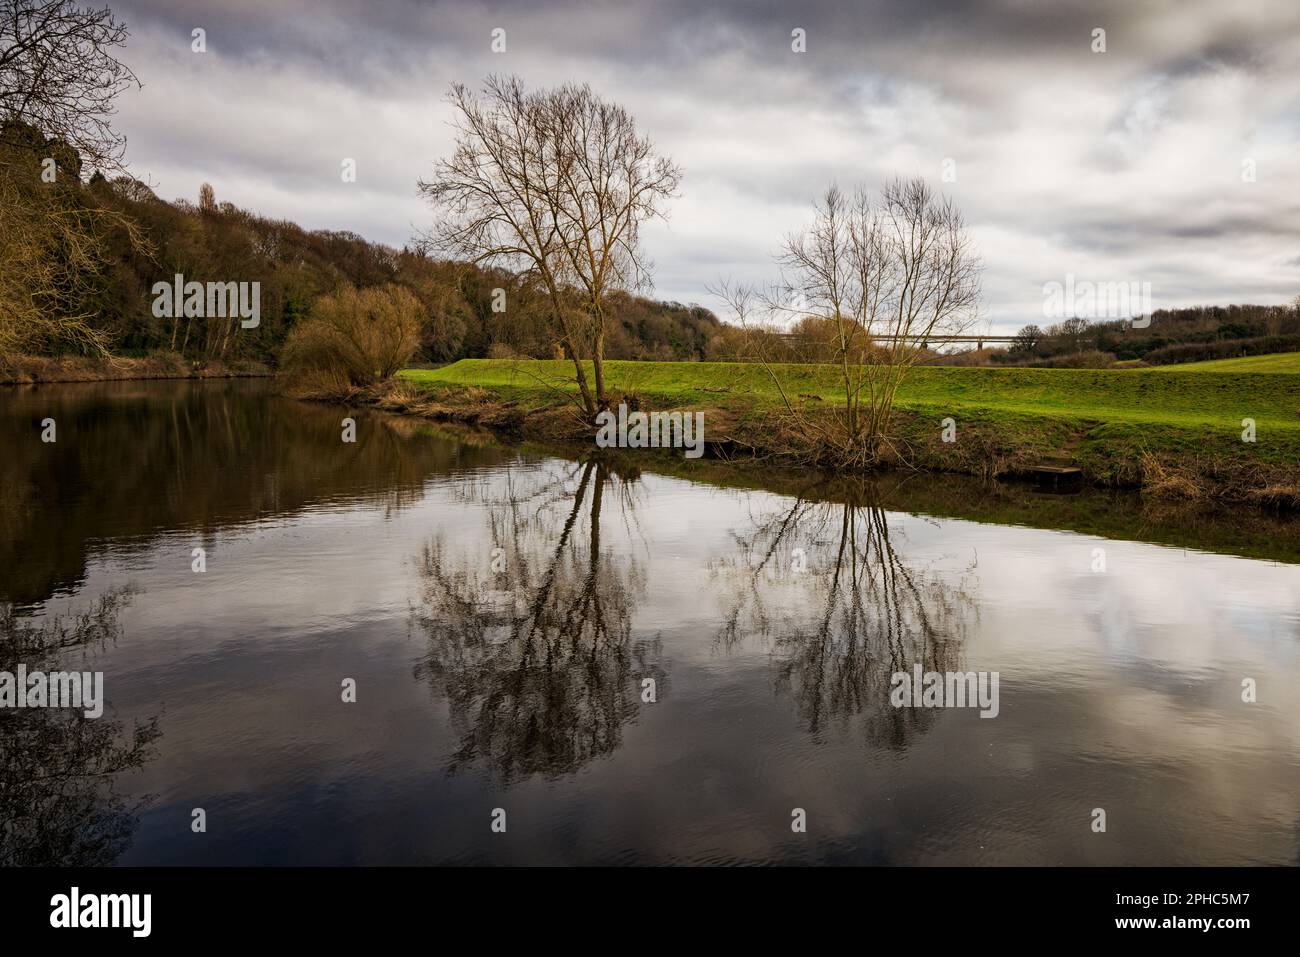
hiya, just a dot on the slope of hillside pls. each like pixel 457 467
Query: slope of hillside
pixel 1284 362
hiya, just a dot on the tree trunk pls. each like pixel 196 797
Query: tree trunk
pixel 598 367
pixel 588 403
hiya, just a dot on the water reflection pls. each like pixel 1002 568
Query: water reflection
pixel 843 610
pixel 136 459
pixel 533 595
pixel 531 641
pixel 59 800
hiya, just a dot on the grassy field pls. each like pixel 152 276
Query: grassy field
pixel 1173 432
pixel 1217 395
pixel 1280 362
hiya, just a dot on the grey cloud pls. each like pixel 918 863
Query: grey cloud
pixel 1113 165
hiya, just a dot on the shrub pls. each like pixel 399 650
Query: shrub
pixel 354 338
pixel 1223 349
pixel 1090 359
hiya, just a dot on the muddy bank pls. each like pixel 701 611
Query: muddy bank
pixel 18 370
pixel 997 446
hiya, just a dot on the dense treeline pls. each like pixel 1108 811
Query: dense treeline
pixel 140 240
pixel 1173 335
pixel 463 315
pixel 81 257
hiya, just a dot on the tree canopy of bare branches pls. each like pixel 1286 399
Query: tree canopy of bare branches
pixel 59 73
pixel 556 184
pixel 54 239
pixel 885 272
pixel 59 77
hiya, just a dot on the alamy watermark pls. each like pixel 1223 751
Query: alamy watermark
pixel 651 430
pixel 1085 299
pixel 74 909
pixel 946 689
pixel 53 689
pixel 213 300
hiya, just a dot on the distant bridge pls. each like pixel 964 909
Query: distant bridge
pixel 923 340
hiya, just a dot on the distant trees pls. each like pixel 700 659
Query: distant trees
pixel 1185 334
pixel 109 306
pixel 1027 339
pixel 555 185
pixel 1073 332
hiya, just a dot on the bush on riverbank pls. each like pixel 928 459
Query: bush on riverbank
pixel 353 339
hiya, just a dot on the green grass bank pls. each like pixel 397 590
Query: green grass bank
pixel 1173 431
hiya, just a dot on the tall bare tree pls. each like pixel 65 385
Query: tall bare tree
pixel 59 77
pixel 888 272
pixel 60 74
pixel 554 183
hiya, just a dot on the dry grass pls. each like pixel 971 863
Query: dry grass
pixel 1166 480
pixel 1281 497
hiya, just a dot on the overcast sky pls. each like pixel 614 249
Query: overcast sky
pixel 1128 165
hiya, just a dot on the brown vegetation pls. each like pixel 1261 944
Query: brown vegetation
pixel 871 278
pixel 555 184
pixel 353 339
pixel 162 365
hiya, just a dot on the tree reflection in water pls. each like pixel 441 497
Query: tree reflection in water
pixel 842 610
pixel 58 801
pixel 531 641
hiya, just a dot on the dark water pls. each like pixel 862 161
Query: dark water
pixel 635 667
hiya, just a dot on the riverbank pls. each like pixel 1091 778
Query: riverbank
pixel 1174 436
pixel 27 370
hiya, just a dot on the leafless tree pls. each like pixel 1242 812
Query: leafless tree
pixel 1073 332
pixel 59 73
pixel 554 183
pixel 1027 339
pixel 889 272
pixel 59 77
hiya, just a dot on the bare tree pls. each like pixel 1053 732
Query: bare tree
pixel 58 80
pixel 1073 332
pixel 59 73
pixel 54 241
pixel 1027 339
pixel 554 183
pixel 888 272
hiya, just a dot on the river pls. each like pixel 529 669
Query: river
pixel 432 647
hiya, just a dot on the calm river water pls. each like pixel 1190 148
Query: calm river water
pixel 612 664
